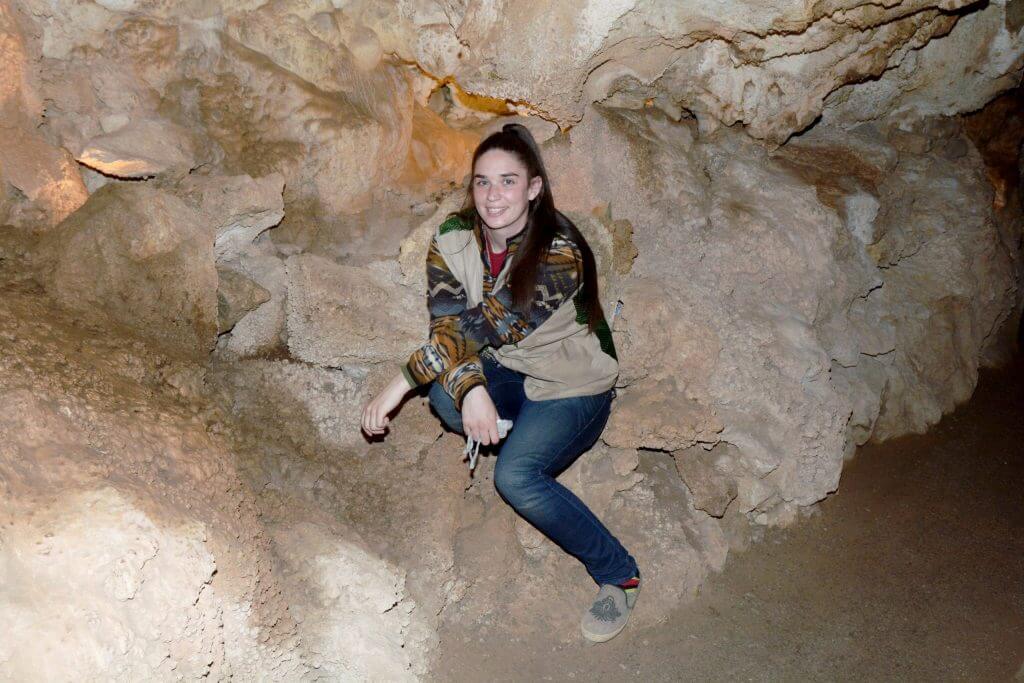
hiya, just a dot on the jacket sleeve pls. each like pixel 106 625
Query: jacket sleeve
pixel 461 378
pixel 458 333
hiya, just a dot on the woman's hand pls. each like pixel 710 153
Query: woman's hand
pixel 375 415
pixel 479 416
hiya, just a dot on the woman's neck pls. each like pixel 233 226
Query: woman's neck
pixel 498 239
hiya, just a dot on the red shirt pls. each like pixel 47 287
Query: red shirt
pixel 497 260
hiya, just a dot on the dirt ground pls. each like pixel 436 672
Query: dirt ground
pixel 912 571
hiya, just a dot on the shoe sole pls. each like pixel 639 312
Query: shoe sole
pixel 602 637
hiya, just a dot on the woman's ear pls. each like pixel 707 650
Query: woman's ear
pixel 536 183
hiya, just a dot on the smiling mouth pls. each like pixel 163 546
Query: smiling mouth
pixel 494 212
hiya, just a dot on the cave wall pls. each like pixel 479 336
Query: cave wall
pixel 812 248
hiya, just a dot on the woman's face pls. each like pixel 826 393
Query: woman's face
pixel 502 190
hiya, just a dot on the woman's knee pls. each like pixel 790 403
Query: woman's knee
pixel 521 487
pixel 445 408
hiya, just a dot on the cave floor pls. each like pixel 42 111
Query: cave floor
pixel 913 570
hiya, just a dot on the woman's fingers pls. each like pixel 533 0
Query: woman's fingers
pixel 485 431
pixel 365 420
pixel 489 433
pixel 368 427
pixel 374 421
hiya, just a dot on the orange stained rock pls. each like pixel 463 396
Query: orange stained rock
pixel 46 175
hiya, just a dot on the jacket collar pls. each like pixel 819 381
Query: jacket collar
pixel 511 244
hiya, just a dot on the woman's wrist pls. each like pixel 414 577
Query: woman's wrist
pixel 463 392
pixel 399 385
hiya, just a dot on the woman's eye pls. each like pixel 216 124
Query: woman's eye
pixel 509 181
pixel 481 183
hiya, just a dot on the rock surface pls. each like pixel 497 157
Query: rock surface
pixel 241 209
pixel 771 68
pixel 140 149
pixel 141 258
pixel 237 295
pixel 39 183
pixel 339 315
pixel 141 542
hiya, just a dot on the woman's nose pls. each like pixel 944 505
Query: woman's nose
pixel 493 192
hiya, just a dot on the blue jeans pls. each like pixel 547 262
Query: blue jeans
pixel 546 437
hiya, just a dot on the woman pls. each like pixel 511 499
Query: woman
pixel 517 332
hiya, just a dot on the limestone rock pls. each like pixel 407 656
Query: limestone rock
pixel 141 149
pixel 142 258
pixel 920 83
pixel 141 585
pixel 40 183
pixel 727 237
pixel 351 606
pixel 663 333
pixel 132 547
pixel 709 476
pixel 681 546
pixel 771 68
pixel 307 111
pixel 262 332
pixel 319 405
pixel 241 208
pixel 236 296
pixel 46 180
pixel 994 131
pixel 340 315
pixel 667 350
pixel 412 257
pixel 438 154
pixel 657 415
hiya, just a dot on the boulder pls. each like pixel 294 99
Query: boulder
pixel 262 331
pixel 340 315
pixel 142 258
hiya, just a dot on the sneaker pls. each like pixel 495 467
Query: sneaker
pixel 608 615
